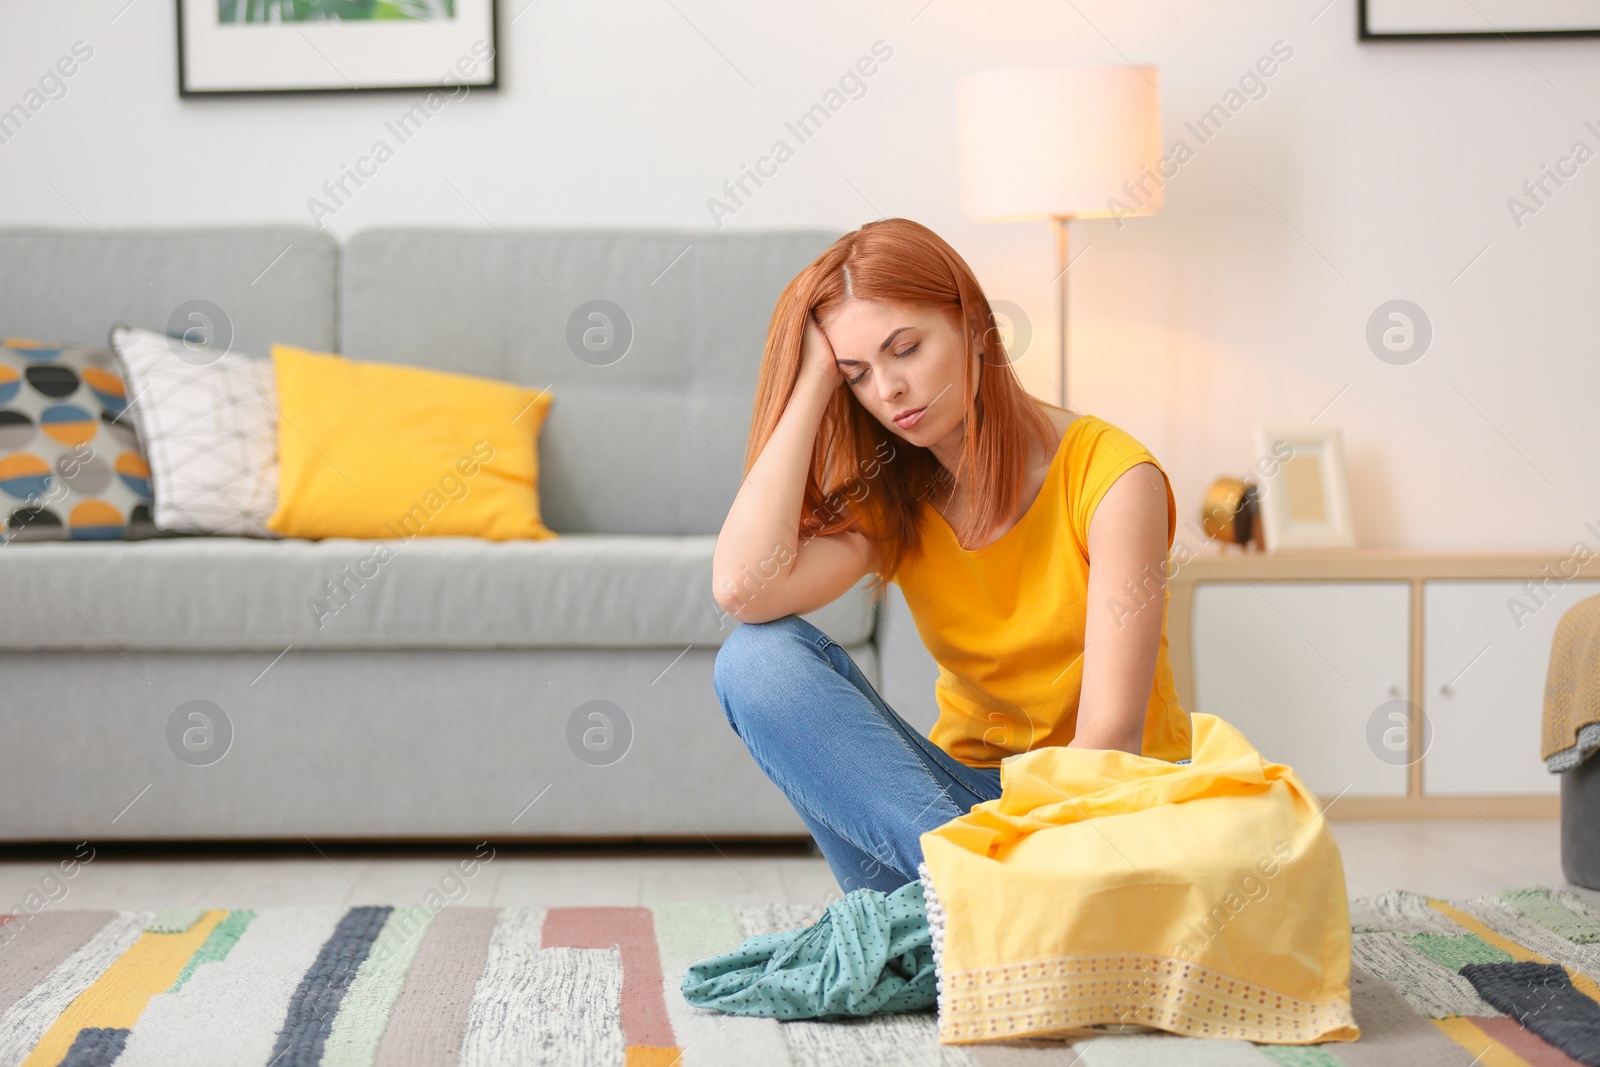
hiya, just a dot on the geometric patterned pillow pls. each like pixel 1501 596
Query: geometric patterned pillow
pixel 209 424
pixel 70 467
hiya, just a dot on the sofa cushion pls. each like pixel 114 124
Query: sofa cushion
pixel 241 593
pixel 254 284
pixel 651 341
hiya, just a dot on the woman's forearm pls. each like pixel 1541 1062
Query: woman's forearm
pixel 760 537
pixel 1106 730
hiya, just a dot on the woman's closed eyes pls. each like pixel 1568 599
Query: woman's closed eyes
pixel 903 352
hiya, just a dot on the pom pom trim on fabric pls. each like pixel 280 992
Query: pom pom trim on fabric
pixel 930 899
pixel 1066 994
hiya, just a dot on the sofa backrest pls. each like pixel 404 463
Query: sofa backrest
pixel 72 284
pixel 651 442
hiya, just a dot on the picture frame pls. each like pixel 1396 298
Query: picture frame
pixel 1431 20
pixel 234 48
pixel 1304 497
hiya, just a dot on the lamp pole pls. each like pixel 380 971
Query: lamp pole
pixel 1060 224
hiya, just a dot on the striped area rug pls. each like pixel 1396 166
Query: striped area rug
pixel 1502 981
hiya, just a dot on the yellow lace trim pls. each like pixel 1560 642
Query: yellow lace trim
pixel 1068 994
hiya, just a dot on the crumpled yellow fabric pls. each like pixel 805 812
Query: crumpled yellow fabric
pixel 1105 891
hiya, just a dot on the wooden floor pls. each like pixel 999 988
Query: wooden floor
pixel 1437 857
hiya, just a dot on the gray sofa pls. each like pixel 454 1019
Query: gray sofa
pixel 451 697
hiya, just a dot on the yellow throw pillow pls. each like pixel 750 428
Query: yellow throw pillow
pixel 384 451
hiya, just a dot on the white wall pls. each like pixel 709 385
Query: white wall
pixel 1365 173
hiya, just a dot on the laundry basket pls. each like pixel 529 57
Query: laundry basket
pixel 1571 737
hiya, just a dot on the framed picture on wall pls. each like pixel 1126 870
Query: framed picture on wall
pixel 259 47
pixel 1411 20
pixel 1304 496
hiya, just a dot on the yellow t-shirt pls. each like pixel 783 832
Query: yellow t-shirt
pixel 1006 622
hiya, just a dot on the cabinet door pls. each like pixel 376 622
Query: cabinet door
pixel 1305 670
pixel 1486 651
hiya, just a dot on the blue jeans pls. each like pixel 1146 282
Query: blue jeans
pixel 864 781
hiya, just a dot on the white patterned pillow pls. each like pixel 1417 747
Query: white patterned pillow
pixel 209 425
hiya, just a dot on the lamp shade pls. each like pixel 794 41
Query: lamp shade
pixel 1054 142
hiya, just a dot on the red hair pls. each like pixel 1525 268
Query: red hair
pixel 857 458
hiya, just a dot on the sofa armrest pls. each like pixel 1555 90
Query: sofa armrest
pixel 907 670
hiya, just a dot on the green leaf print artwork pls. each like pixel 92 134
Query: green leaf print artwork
pixel 258 11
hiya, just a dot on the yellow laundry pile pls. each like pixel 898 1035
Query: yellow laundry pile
pixel 1105 892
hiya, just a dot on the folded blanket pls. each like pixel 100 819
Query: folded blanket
pixel 1105 890
pixel 1571 724
pixel 868 954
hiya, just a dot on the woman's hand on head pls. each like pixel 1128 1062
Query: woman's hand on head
pixel 816 356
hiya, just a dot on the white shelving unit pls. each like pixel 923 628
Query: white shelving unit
pixel 1301 668
pixel 1396 684
pixel 1483 667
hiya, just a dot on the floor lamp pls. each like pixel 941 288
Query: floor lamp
pixel 1059 143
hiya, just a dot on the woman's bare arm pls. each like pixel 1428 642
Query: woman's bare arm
pixel 1122 635
pixel 760 570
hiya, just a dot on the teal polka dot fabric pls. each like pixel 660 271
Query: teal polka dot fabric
pixel 870 953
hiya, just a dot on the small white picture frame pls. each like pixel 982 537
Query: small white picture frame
pixel 1304 494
